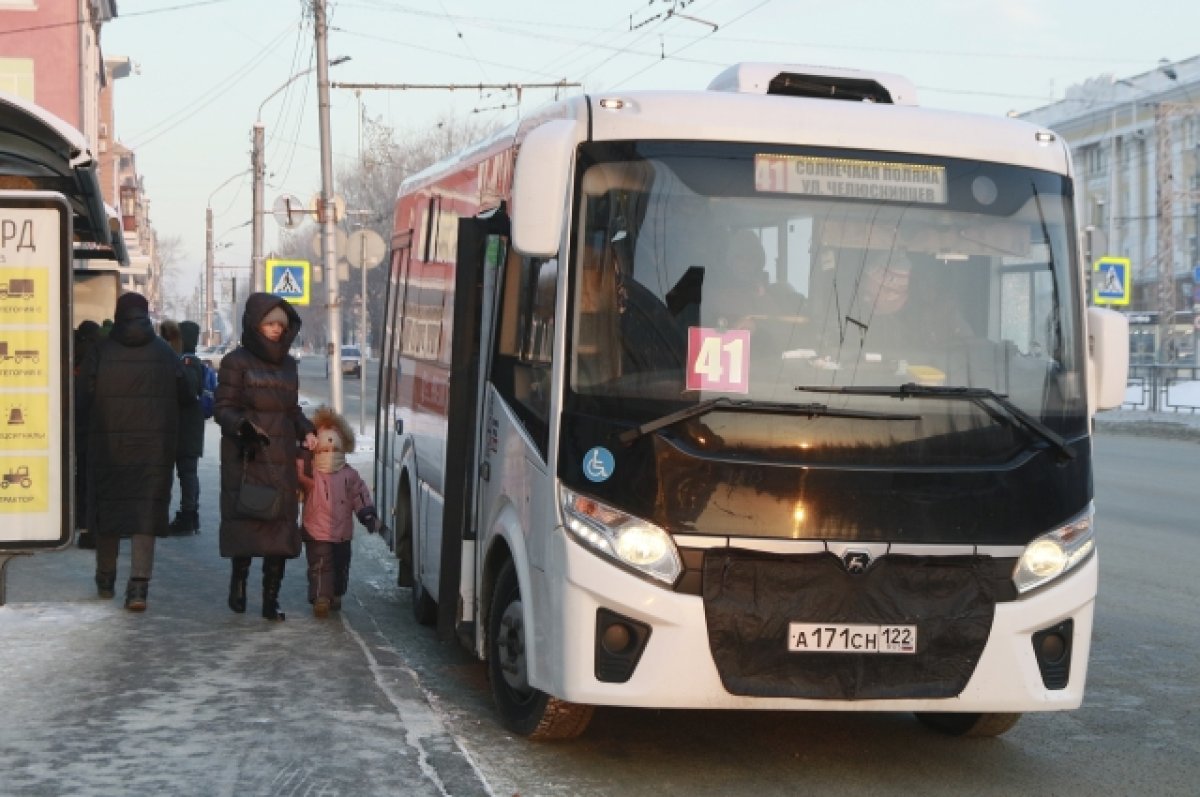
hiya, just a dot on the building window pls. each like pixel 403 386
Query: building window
pixel 129 208
pixel 16 74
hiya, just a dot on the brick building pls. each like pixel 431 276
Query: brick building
pixel 50 55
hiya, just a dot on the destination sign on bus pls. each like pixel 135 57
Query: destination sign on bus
pixel 886 181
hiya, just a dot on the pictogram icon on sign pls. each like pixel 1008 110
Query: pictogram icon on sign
pixel 289 279
pixel 1111 281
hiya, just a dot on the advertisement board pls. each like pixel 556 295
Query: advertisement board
pixel 35 357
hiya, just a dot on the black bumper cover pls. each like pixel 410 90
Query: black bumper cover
pixel 750 598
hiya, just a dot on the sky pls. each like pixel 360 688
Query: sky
pixel 206 69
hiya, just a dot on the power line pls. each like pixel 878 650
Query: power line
pixel 78 22
pixel 218 90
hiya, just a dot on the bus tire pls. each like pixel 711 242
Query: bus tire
pixel 424 607
pixel 523 710
pixel 976 725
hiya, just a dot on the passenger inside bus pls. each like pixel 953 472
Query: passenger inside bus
pixel 623 327
pixel 906 316
pixel 739 285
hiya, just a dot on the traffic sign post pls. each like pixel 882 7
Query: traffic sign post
pixel 289 212
pixel 290 279
pixel 1111 281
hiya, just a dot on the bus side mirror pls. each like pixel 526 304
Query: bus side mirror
pixel 540 182
pixel 1108 349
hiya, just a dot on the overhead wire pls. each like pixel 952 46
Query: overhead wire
pixel 126 15
pixel 537 28
pixel 217 91
pixel 286 107
pixel 695 41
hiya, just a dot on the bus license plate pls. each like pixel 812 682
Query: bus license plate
pixel 845 638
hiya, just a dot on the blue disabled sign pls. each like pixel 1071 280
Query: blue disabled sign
pixel 289 279
pixel 1111 280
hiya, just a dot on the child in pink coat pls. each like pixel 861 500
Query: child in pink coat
pixel 333 494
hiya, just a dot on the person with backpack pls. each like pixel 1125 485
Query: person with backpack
pixel 191 433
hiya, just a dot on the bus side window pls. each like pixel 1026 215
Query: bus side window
pixel 525 341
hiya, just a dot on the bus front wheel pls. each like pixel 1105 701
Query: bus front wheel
pixel 969 724
pixel 424 607
pixel 523 710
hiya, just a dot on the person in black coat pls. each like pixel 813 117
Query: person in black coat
pixel 261 422
pixel 191 436
pixel 133 387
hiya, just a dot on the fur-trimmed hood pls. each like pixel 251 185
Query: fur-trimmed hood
pixel 326 418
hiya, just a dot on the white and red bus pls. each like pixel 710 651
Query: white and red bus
pixel 620 487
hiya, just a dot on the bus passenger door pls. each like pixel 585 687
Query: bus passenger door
pixel 481 247
pixel 388 423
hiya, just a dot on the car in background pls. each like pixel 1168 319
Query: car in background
pixel 351 361
pixel 212 355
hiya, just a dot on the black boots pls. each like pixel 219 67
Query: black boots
pixel 272 579
pixel 135 594
pixel 185 523
pixel 237 585
pixel 106 585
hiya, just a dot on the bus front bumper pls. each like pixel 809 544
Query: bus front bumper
pixel 675 668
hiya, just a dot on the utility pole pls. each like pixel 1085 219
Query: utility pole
pixel 1166 228
pixel 363 320
pixel 208 276
pixel 328 242
pixel 257 282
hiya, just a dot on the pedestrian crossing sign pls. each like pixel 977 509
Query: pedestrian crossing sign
pixel 1111 279
pixel 289 279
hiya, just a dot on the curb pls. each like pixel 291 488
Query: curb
pixel 1173 430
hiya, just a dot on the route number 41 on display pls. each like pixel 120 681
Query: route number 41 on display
pixel 718 360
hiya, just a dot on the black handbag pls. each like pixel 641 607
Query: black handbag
pixel 257 501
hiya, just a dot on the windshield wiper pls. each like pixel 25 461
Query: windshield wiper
pixel 810 410
pixel 978 395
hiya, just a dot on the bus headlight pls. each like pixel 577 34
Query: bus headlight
pixel 1056 552
pixel 630 541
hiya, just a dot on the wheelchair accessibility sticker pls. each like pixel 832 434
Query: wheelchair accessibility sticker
pixel 598 464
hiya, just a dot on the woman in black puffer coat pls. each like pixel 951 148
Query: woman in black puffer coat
pixel 257 408
pixel 132 387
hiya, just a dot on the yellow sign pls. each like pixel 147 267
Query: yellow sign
pixel 25 358
pixel 24 421
pixel 1111 278
pixel 35 470
pixel 290 279
pixel 24 484
pixel 24 296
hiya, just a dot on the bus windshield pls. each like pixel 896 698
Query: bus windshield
pixel 770 274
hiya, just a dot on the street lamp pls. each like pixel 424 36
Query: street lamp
pixel 208 259
pixel 258 166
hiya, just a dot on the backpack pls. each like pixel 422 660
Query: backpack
pixel 208 390
pixel 208 384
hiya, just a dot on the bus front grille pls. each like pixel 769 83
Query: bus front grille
pixel 751 598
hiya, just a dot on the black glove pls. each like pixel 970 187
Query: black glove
pixel 251 435
pixel 369 519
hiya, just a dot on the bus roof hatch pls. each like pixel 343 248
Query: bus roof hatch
pixel 793 80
